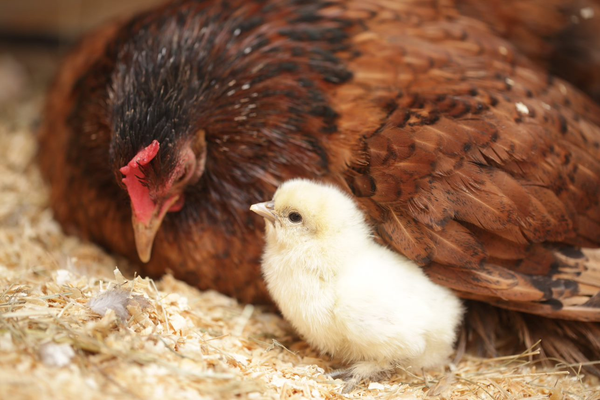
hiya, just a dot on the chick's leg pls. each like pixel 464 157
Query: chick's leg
pixel 365 370
pixel 342 373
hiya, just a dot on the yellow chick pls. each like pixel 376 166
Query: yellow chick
pixel 347 295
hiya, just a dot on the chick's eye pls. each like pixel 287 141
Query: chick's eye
pixel 295 217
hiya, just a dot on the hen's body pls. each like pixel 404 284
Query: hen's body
pixel 467 157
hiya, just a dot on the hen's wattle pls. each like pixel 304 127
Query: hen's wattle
pixel 468 157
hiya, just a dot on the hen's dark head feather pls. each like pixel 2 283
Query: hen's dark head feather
pixel 250 76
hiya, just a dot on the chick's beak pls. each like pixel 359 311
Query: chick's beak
pixel 265 210
pixel 145 229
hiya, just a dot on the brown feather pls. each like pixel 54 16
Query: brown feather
pixel 555 33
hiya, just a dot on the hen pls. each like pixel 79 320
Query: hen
pixel 467 156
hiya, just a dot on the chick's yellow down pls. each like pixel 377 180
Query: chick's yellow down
pixel 347 295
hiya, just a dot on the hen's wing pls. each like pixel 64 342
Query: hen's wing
pixel 473 161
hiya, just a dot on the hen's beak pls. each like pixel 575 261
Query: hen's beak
pixel 144 236
pixel 265 210
pixel 145 231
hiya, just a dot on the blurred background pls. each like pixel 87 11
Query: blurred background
pixel 49 20
pixel 33 36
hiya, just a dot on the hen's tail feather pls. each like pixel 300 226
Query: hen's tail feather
pixel 560 282
pixel 491 332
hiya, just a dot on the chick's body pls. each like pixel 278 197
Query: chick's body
pixel 346 294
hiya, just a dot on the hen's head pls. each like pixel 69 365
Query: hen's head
pixel 158 149
pixel 154 194
pixel 233 98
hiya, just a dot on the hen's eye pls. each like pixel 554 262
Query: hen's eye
pixel 181 177
pixel 295 217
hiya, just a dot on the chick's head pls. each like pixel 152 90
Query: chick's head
pixel 303 211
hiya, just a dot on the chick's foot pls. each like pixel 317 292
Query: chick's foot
pixel 361 371
pixel 344 374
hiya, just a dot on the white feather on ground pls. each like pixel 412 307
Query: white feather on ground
pixel 56 355
pixel 115 299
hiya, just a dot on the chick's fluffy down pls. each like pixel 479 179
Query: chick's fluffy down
pixel 347 295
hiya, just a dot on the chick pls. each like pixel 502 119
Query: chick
pixel 344 293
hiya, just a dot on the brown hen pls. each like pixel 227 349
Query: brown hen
pixel 468 157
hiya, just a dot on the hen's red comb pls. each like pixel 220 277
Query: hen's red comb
pixel 142 205
pixel 145 155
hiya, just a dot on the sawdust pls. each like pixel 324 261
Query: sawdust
pixel 169 340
